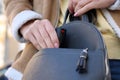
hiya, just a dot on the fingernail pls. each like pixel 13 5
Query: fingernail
pixel 56 45
pixel 75 14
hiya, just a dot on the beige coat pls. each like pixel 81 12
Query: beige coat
pixel 47 8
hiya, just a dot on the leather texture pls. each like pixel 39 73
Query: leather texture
pixel 61 63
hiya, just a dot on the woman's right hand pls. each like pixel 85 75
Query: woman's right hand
pixel 80 7
pixel 40 33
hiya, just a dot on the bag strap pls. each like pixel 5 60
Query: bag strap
pixel 66 16
pixel 90 16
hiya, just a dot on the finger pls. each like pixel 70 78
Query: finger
pixel 81 4
pixel 46 37
pixel 34 42
pixel 52 33
pixel 84 9
pixel 71 5
pixel 38 37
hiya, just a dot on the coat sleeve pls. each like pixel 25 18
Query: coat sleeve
pixel 19 12
pixel 13 7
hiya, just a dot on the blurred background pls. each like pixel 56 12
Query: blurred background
pixel 9 47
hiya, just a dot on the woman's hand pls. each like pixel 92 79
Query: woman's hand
pixel 40 33
pixel 79 7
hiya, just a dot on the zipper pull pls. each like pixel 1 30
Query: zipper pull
pixel 62 38
pixel 82 63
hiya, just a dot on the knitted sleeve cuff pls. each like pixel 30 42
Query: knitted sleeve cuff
pixel 20 19
pixel 13 74
pixel 115 6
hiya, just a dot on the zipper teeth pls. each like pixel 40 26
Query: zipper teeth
pixel 58 13
pixel 106 55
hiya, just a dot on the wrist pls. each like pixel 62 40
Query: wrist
pixel 20 19
pixel 25 27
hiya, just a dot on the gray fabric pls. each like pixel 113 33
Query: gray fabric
pixel 61 63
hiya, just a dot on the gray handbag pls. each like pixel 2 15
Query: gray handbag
pixel 81 56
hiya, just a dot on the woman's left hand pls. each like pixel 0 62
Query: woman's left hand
pixel 79 7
